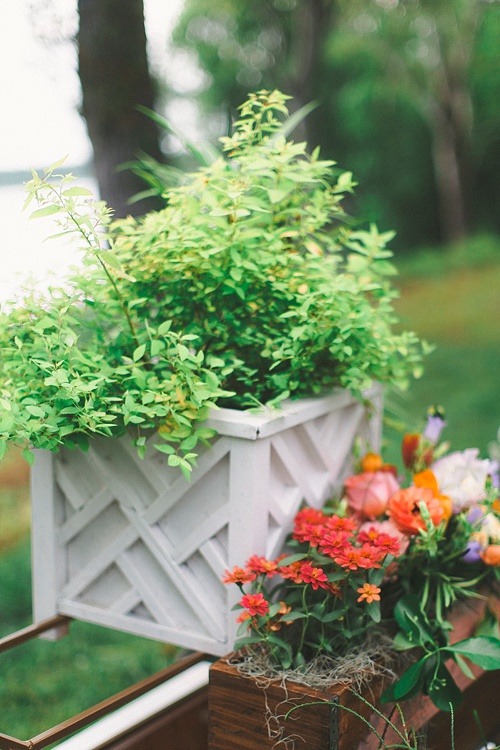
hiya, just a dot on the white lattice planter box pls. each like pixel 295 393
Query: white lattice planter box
pixel 130 544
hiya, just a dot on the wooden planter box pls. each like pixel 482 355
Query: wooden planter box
pixel 245 714
pixel 132 545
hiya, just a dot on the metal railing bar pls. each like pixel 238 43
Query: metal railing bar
pixel 80 720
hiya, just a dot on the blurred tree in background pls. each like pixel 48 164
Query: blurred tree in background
pixel 115 78
pixel 406 90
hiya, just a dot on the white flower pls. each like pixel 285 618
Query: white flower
pixel 491 526
pixel 462 476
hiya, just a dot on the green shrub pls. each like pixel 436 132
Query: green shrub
pixel 248 287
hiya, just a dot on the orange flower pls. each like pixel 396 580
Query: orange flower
pixel 427 478
pixel 238 575
pixel 404 509
pixel 491 555
pixel 369 592
pixel 371 462
pixel 275 624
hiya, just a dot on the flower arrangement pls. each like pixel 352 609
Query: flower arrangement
pixel 250 286
pixel 392 555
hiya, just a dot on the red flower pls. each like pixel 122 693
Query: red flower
pixel 404 509
pixel 334 542
pixel 309 515
pixel 315 576
pixel 338 523
pixel 243 617
pixel 370 557
pixel 388 544
pixel 310 533
pixel 416 450
pixel 260 565
pixel 349 558
pixel 292 572
pixel 255 604
pixel 238 576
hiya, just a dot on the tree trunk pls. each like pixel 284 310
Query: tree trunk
pixel 314 21
pixel 114 75
pixel 449 184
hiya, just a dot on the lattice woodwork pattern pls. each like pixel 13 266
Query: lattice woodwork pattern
pixel 129 544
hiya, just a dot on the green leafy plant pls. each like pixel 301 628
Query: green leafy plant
pixel 250 286
pixel 429 674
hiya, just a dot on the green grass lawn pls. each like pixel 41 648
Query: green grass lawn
pixel 459 311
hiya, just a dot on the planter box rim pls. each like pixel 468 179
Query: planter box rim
pixel 253 425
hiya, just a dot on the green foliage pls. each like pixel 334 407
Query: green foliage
pixel 429 674
pixel 249 286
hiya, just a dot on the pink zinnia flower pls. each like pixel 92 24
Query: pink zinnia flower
pixel 255 604
pixel 315 576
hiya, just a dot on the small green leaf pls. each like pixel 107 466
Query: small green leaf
pixel 77 191
pixel 410 681
pixel 45 211
pixel 291 559
pixel 482 650
pixel 331 616
pixel 28 456
pixel 164 327
pixel 183 351
pixel 35 411
pixel 165 448
pixel 55 165
pixel 139 352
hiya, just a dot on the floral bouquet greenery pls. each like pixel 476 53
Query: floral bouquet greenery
pixel 392 556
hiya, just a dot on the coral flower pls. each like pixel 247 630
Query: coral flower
pixel 292 572
pixel 334 542
pixel 260 565
pixel 369 593
pixel 349 558
pixel 255 604
pixel 239 575
pixel 404 509
pixel 315 576
pixel 309 515
pixel 309 532
pixel 491 555
pixel 369 493
pixel 243 617
pixel 341 523
pixel 377 532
